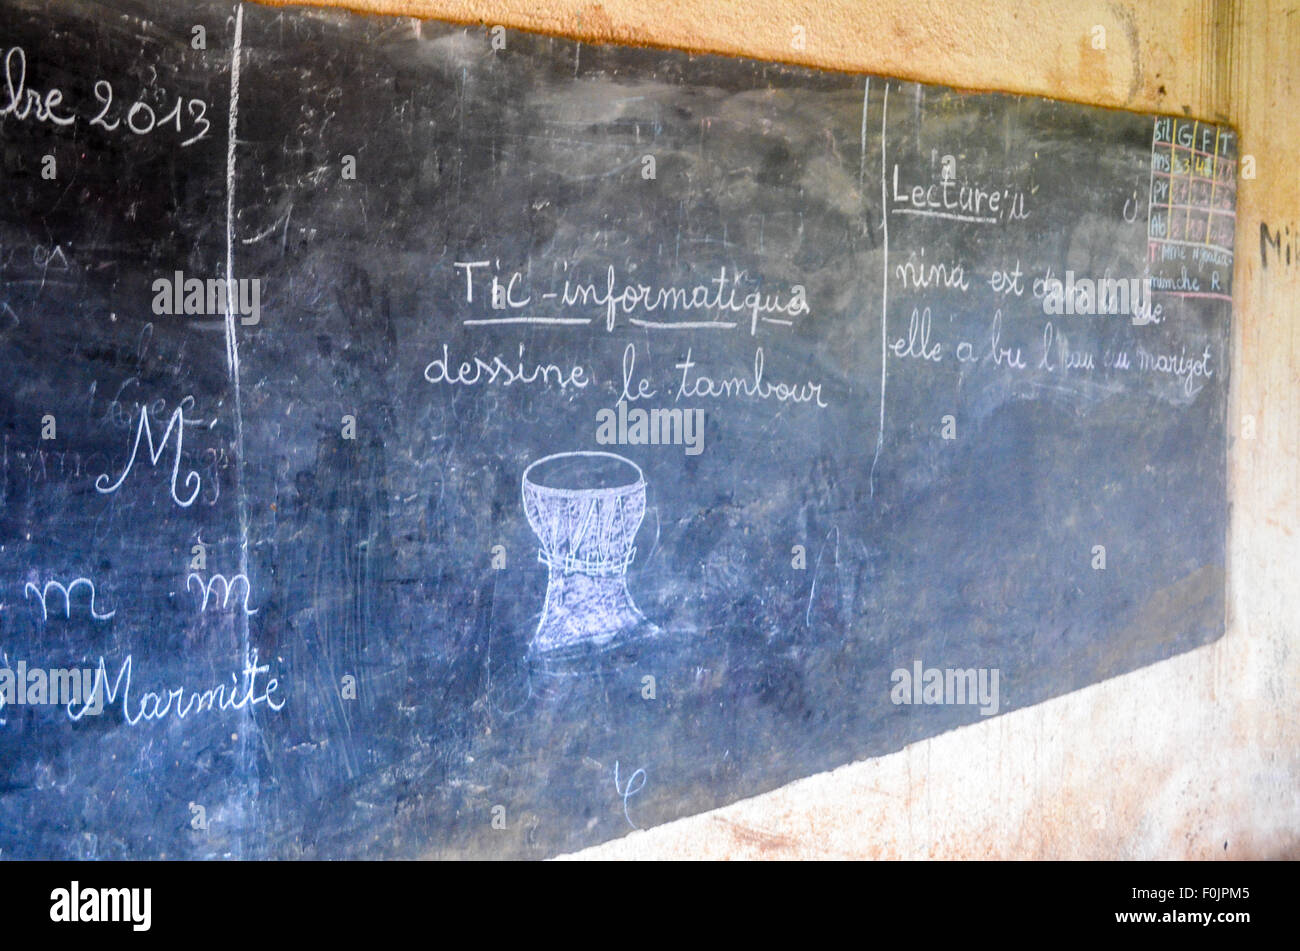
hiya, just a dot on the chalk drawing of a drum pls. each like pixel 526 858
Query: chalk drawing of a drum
pixel 585 508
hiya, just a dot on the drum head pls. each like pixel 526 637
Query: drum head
pixel 570 472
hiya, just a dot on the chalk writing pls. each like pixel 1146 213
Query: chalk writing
pixel 727 295
pixel 630 790
pixel 239 693
pixel 973 202
pixel 25 103
pixel 43 594
pixel 176 423
pixel 228 590
pixel 497 371
pixel 753 386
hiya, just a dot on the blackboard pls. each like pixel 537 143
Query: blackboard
pixel 450 441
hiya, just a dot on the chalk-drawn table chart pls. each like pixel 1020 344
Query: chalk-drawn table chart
pixel 1192 209
pixel 426 440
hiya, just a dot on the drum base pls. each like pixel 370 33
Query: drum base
pixel 584 658
pixel 582 610
pixel 586 618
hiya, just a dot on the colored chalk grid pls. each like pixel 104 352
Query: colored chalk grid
pixel 1191 215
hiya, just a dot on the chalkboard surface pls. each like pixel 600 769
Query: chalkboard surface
pixel 427 441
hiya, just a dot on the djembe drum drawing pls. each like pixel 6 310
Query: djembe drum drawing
pixel 585 508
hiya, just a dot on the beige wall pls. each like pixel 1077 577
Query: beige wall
pixel 1198 756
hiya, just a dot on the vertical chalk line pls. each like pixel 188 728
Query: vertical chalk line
pixel 232 346
pixel 862 159
pixel 1151 185
pixel 232 343
pixel 232 363
pixel 884 292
